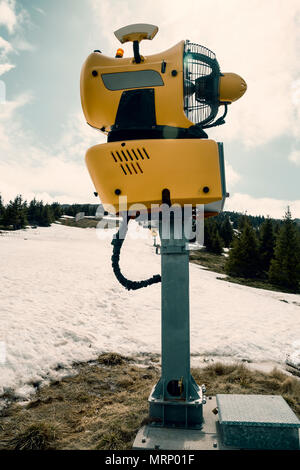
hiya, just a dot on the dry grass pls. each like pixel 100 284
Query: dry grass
pixel 82 223
pixel 105 404
pixel 216 264
pixel 37 436
pixel 113 359
pixel 208 260
pixel 88 223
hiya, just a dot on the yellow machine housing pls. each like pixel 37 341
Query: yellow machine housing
pixel 189 168
pixel 154 109
pixel 100 103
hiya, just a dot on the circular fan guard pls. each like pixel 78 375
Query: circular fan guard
pixel 201 84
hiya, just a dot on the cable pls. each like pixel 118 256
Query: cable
pixel 219 121
pixel 117 243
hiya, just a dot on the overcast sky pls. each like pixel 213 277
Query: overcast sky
pixel 43 135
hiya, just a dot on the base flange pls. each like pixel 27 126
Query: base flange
pixel 171 438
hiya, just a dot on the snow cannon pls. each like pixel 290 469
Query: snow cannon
pixel 154 110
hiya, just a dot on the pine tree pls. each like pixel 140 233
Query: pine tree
pixel 244 254
pixel 217 243
pixel 33 212
pixel 242 222
pixel 266 245
pixel 285 266
pixel 16 214
pixel 57 210
pixel 45 216
pixel 2 210
pixel 226 232
pixel 207 234
pixel 212 239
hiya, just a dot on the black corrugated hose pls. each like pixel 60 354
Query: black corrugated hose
pixel 117 243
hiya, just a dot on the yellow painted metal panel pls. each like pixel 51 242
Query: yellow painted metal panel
pixel 141 169
pixel 100 105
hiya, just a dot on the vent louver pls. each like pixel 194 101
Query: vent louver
pixel 130 160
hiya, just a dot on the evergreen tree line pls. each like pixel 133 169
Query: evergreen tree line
pixel 219 231
pixel 73 209
pixel 266 249
pixel 18 213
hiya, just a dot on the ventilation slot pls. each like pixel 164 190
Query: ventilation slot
pixel 140 154
pixel 128 168
pixel 124 155
pixel 134 168
pixel 139 167
pixel 114 157
pixel 124 171
pixel 134 154
pixel 120 158
pixel 128 160
pixel 145 152
pixel 129 155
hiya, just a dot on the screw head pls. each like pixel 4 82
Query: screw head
pixel 206 189
pixel 174 73
pixel 117 192
pixel 94 73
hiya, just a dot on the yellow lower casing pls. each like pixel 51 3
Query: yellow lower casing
pixel 141 169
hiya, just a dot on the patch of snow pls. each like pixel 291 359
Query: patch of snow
pixel 60 303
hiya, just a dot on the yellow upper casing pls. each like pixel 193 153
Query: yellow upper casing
pixel 141 169
pixel 100 105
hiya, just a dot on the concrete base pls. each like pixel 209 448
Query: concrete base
pixel 230 428
pixel 171 438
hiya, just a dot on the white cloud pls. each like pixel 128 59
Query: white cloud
pixel 294 157
pixel 8 16
pixel 11 129
pixel 14 21
pixel 52 180
pixel 232 177
pixel 5 47
pixel 40 10
pixel 78 136
pixel 262 206
pixel 10 107
pixel 51 175
pixel 6 68
pixel 20 44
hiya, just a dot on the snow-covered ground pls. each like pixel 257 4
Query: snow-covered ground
pixel 60 303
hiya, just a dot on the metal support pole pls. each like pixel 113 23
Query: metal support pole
pixel 176 399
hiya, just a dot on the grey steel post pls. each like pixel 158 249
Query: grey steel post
pixel 176 399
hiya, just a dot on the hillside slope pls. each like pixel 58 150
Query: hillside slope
pixel 61 303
